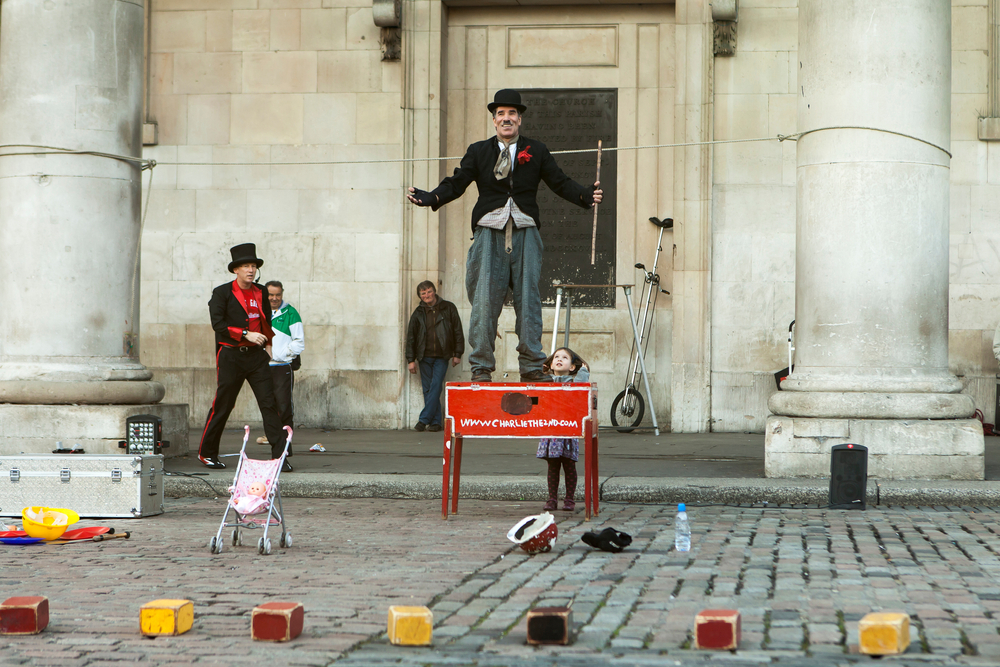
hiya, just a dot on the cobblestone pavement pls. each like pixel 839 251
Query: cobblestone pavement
pixel 801 578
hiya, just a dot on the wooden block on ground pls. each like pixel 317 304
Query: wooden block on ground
pixel 884 633
pixel 277 621
pixel 24 615
pixel 717 629
pixel 410 626
pixel 548 625
pixel 166 617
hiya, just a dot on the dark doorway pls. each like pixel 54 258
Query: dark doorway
pixel 573 119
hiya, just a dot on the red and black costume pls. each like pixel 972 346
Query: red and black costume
pixel 234 311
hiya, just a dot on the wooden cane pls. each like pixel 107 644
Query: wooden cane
pixel 593 238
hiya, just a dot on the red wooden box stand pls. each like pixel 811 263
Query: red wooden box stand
pixel 518 410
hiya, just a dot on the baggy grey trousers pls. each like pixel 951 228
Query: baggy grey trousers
pixel 489 272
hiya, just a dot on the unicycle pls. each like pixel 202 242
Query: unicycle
pixel 629 407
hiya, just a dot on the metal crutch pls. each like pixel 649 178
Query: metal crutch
pixel 555 325
pixel 642 360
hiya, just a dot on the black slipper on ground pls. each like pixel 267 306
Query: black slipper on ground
pixel 608 539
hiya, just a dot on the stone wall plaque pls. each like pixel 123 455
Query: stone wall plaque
pixel 570 119
pixel 562 46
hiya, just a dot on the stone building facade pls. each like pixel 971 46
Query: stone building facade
pixel 278 122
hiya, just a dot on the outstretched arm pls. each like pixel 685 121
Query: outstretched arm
pixel 598 192
pixel 564 186
pixel 421 197
pixel 451 188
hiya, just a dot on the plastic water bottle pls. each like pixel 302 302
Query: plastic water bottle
pixel 682 529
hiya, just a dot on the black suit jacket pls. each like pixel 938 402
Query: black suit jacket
pixel 534 163
pixel 229 316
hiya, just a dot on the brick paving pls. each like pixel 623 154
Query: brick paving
pixel 801 578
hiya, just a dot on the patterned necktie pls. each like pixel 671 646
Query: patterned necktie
pixel 502 168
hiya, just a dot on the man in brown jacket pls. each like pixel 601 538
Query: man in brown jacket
pixel 433 336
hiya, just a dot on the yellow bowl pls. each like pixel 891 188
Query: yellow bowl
pixel 47 522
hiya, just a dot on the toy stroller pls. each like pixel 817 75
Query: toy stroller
pixel 255 499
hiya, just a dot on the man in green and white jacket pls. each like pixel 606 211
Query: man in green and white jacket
pixel 288 343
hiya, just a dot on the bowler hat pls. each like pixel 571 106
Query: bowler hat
pixel 244 253
pixel 507 98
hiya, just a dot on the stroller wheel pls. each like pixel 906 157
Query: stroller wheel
pixel 286 540
pixel 260 546
pixel 215 546
pixel 267 547
pixel 236 537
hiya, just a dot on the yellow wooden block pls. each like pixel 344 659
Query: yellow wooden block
pixel 884 633
pixel 166 617
pixel 410 626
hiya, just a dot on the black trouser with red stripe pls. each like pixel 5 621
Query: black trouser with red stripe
pixel 234 366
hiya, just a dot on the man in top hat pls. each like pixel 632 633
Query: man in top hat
pixel 241 318
pixel 506 250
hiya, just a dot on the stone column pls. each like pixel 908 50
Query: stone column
pixel 690 376
pixel 424 124
pixel 71 77
pixel 871 279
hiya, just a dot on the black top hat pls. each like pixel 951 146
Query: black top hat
pixel 244 253
pixel 507 98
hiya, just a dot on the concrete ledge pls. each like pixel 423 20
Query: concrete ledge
pixel 340 485
pixel 107 392
pixel 34 429
pixel 897 448
pixel 832 405
pixel 614 489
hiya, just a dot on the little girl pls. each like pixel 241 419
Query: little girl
pixel 565 365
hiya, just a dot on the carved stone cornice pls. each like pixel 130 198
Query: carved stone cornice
pixel 725 16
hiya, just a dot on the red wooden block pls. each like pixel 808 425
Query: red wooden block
pixel 549 625
pixel 277 621
pixel 26 615
pixel 717 629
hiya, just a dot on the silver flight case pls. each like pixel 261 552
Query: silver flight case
pixel 92 485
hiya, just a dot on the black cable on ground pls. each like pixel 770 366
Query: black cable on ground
pixel 171 473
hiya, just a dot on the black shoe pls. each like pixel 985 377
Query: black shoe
pixel 608 539
pixel 286 466
pixel 420 426
pixel 535 376
pixel 482 376
pixel 434 428
pixel 212 462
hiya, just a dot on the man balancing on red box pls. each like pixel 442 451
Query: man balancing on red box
pixel 241 318
pixel 506 250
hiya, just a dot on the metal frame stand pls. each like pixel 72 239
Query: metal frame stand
pixel 635 333
pixel 555 330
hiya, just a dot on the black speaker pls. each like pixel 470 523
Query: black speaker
pixel 143 435
pixel 848 477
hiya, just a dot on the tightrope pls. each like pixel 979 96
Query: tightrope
pixel 457 157
pixel 146 163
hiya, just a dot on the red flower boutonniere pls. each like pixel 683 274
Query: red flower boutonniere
pixel 524 156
